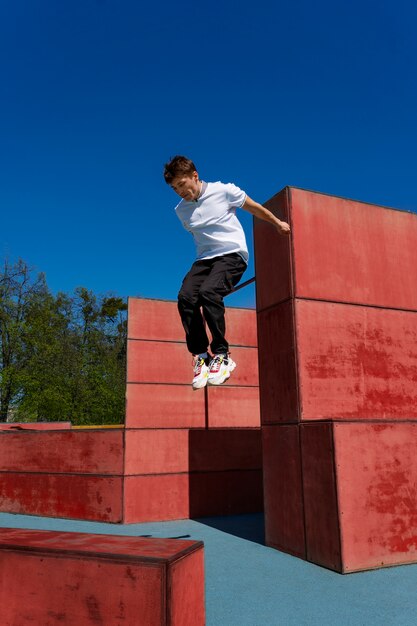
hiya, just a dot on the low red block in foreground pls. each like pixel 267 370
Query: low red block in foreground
pixel 76 579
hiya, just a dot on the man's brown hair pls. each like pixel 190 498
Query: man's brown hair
pixel 178 166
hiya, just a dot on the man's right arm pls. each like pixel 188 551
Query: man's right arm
pixel 262 213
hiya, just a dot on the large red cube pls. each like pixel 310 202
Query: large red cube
pixel 342 494
pixel 340 250
pixel 321 360
pixel 81 579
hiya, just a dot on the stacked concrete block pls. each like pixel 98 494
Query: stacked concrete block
pixel 337 327
pixel 62 473
pixel 188 453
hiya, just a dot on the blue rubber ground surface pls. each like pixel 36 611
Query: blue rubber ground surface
pixel 248 584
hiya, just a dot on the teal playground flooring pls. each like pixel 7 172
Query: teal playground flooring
pixel 248 584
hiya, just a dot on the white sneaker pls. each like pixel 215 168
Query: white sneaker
pixel 201 372
pixel 220 368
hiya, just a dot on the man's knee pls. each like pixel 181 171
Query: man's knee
pixel 186 298
pixel 208 294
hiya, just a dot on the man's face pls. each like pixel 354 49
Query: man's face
pixel 188 187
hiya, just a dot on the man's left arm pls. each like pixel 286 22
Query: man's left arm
pixel 260 211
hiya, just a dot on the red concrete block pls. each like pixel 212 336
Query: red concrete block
pixel 283 490
pixel 156 498
pixel 52 577
pixel 158 362
pixel 371 250
pixel 69 451
pixel 95 498
pixel 356 362
pixel 246 372
pixel 198 494
pixel 359 493
pixel 36 426
pixel 164 406
pixel 320 495
pixel 277 365
pixel 225 493
pixel 159 320
pixel 274 281
pixel 233 407
pixel 164 451
pixel 167 451
pixel 171 363
pixel 154 319
pixel 224 449
pixel 377 493
pixel 241 327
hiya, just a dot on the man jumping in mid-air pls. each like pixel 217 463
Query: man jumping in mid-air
pixel 208 212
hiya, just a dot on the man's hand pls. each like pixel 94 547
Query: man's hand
pixel 283 228
pixel 260 211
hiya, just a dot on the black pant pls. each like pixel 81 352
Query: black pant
pixel 205 286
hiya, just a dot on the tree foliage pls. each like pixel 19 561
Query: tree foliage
pixel 62 357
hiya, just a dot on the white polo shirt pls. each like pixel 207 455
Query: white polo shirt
pixel 212 221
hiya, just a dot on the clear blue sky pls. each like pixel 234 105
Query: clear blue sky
pixel 97 95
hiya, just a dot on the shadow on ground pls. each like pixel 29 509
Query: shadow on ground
pixel 249 527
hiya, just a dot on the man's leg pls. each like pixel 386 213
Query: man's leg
pixel 189 307
pixel 225 273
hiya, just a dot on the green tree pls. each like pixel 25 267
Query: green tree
pixel 99 390
pixel 63 357
pixel 17 288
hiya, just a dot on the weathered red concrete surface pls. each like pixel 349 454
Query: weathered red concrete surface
pixel 95 498
pixel 356 362
pixel 164 406
pixel 322 516
pixel 192 494
pixel 233 407
pixel 241 327
pixel 158 362
pixel 168 362
pixel 273 256
pixel 179 406
pixel 347 501
pixel 225 493
pixel 154 319
pixel 376 468
pixel 168 451
pixel 51 578
pixel 189 453
pixel 35 426
pixel 156 498
pixel 283 489
pixel 340 250
pixel 159 320
pixel 353 252
pixel 225 449
pixel 337 328
pixel 70 451
pixel 278 383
